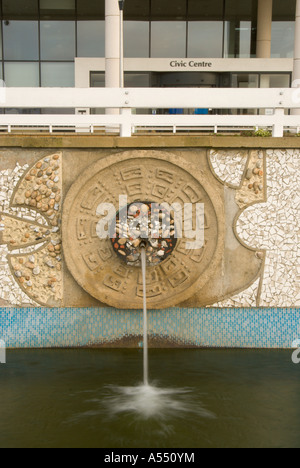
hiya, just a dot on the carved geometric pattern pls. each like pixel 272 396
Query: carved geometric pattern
pixel 140 176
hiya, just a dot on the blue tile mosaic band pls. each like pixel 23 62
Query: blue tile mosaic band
pixel 74 327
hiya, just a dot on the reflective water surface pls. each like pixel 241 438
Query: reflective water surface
pixel 196 398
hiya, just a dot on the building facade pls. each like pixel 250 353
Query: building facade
pixel 171 43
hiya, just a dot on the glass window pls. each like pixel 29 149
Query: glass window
pixel 284 10
pixel 166 9
pixel 23 111
pixel 187 80
pixel 57 8
pixel 283 38
pixel 21 40
pixel 245 39
pixel 91 39
pixel 275 81
pixel 168 39
pixel 58 111
pixel 93 9
pixel 136 39
pixel 241 80
pixel 241 10
pixel 240 28
pixel 0 42
pixel 205 39
pixel 137 80
pixel 57 4
pixel 21 74
pixel 205 9
pixel 97 80
pixel 14 9
pixel 57 40
pixel 137 10
pixel 238 39
pixel 57 74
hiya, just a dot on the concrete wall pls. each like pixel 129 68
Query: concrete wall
pixel 253 297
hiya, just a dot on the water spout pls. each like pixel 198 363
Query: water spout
pixel 145 400
pixel 145 346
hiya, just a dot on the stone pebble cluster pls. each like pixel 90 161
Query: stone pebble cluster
pixel 253 186
pixel 257 174
pixel 137 226
pixel 18 233
pixel 44 194
pixel 39 272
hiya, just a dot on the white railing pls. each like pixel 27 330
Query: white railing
pixel 276 101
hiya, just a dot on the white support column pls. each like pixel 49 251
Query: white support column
pixel 112 47
pixel 278 126
pixel 296 70
pixel 126 126
pixel 264 36
pixel 264 28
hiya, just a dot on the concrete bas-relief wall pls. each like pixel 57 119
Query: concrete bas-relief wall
pixel 57 274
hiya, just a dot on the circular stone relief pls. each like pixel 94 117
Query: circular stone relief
pixel 121 180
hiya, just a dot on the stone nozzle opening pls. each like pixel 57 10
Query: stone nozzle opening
pixel 142 226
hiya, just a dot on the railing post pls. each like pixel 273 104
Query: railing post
pixel 278 126
pixel 125 127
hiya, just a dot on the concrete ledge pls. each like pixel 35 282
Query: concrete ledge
pixel 147 141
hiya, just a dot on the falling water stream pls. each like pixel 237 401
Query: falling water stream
pixel 150 400
pixel 145 318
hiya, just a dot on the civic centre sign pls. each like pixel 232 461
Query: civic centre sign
pixel 85 65
pixel 190 64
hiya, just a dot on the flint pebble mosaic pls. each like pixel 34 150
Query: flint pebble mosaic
pixel 30 232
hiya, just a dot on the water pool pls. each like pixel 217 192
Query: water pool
pixel 198 398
